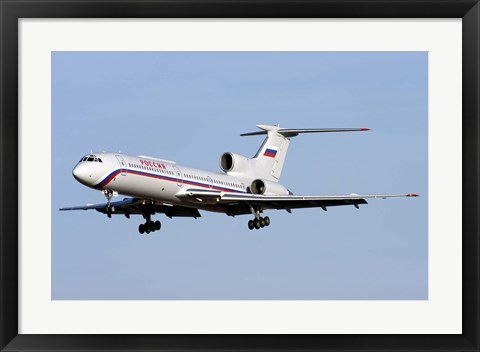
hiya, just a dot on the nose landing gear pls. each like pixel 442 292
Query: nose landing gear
pixel 109 194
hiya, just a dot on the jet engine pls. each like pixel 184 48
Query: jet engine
pixel 231 162
pixel 268 188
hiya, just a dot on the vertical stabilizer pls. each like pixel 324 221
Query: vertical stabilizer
pixel 270 157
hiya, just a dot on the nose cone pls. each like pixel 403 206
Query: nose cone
pixel 83 173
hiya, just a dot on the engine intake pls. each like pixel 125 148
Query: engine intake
pixel 268 188
pixel 231 162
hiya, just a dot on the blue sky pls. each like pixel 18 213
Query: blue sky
pixel 191 107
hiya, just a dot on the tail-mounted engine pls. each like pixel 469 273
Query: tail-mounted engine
pixel 268 188
pixel 231 162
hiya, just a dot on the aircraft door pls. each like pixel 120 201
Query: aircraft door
pixel 210 182
pixel 179 176
pixel 123 165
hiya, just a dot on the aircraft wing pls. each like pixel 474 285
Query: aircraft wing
pixel 120 204
pixel 133 206
pixel 237 204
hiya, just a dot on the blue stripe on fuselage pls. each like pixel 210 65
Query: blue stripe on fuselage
pixel 114 173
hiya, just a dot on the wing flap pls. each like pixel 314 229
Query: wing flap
pixel 177 211
pixel 292 202
pixel 262 198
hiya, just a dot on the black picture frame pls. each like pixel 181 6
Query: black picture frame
pixel 12 10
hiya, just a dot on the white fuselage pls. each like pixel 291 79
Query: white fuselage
pixel 150 178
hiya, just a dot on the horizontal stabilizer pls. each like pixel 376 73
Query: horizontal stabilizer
pixel 292 132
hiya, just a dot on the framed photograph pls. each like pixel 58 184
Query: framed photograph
pixel 109 244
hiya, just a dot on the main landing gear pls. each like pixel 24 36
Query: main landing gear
pixel 258 222
pixel 149 226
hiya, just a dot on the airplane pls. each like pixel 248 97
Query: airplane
pixel 246 186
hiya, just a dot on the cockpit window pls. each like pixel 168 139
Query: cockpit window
pixel 91 158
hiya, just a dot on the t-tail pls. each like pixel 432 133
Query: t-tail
pixel 268 162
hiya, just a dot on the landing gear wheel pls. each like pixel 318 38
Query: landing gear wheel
pixel 256 223
pixel 147 231
pixel 267 220
pixel 158 225
pixel 251 226
pixel 141 228
pixel 151 226
pixel 262 222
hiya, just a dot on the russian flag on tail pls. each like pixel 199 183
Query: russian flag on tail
pixel 271 151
